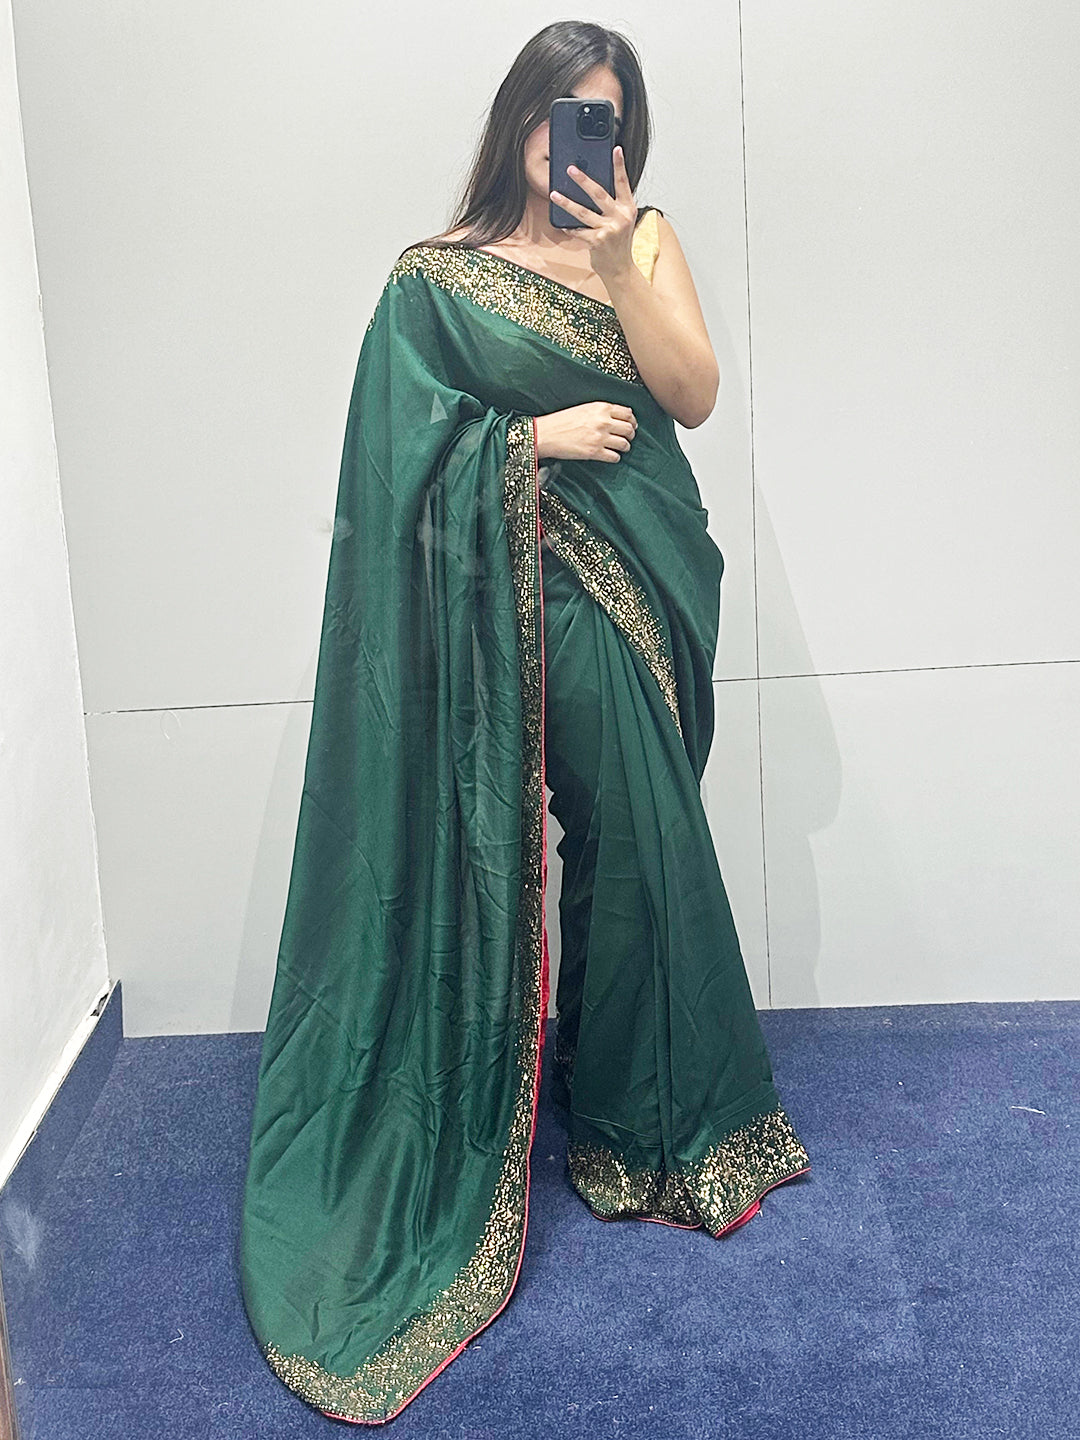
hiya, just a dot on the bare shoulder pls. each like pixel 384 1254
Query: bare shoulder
pixel 672 278
pixel 453 234
pixel 668 239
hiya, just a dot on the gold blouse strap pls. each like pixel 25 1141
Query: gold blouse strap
pixel 646 243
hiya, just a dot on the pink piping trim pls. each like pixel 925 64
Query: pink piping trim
pixel 544 996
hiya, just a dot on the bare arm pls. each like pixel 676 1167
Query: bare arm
pixel 666 332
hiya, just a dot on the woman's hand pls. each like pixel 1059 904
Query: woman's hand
pixel 595 431
pixel 609 235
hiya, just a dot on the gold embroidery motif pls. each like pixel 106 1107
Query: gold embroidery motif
pixel 384 1384
pixel 586 327
pixel 601 570
pixel 712 1191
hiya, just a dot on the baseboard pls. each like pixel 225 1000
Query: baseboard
pixel 38 1165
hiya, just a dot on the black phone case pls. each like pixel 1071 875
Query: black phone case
pixel 567 147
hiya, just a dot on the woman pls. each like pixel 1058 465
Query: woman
pixel 521 589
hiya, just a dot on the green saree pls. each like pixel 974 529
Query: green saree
pixel 491 626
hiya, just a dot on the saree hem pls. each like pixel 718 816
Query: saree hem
pixel 719 1191
pixel 740 1220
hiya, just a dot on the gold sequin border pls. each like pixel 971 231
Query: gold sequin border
pixel 605 576
pixel 711 1191
pixel 585 327
pixel 385 1383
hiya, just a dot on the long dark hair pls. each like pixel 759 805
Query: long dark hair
pixel 547 68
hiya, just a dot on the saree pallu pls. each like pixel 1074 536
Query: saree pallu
pixel 491 626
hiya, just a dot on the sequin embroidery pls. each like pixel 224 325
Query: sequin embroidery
pixel 586 327
pixel 605 576
pixel 711 1191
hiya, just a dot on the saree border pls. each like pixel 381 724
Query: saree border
pixel 606 577
pixel 720 1190
pixel 428 1341
pixel 585 327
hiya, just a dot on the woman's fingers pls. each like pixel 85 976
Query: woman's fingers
pixel 622 179
pixel 591 187
pixel 588 184
pixel 571 205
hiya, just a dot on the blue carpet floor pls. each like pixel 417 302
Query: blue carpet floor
pixel 923 1280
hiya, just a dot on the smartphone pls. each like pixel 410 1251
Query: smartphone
pixel 581 133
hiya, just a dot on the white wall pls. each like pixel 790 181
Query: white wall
pixel 218 197
pixel 52 947
pixel 913 182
